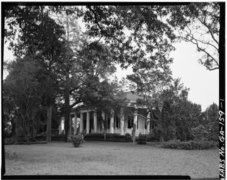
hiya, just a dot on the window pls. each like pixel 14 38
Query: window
pixel 130 121
pixel 108 122
pixel 72 118
pixel 117 122
pixel 91 121
pixel 84 119
pixel 78 115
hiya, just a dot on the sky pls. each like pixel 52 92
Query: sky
pixel 203 84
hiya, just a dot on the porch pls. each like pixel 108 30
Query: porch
pixel 121 122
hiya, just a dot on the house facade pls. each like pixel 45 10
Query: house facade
pixel 86 121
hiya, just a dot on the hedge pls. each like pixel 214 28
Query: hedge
pixel 190 144
pixel 109 137
pixel 141 139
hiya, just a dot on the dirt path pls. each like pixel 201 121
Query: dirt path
pixel 107 158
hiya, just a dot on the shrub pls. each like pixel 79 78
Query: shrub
pixel 77 140
pixel 94 137
pixel 156 133
pixel 25 140
pixel 8 141
pixel 41 138
pixel 60 137
pixel 189 144
pixel 142 139
pixel 115 137
pixel 152 137
pixel 109 137
pixel 128 137
pixel 200 133
pixel 7 133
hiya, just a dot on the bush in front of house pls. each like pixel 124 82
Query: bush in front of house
pixel 94 137
pixel 59 137
pixel 109 137
pixel 115 137
pixel 155 134
pixel 77 140
pixel 41 138
pixel 141 139
pixel 128 137
pixel 8 141
pixel 153 137
pixel 188 145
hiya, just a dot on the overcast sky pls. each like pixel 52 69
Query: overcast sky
pixel 203 84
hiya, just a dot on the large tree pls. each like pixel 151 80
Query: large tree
pixel 97 91
pixel 211 121
pixel 32 33
pixel 137 37
pixel 174 115
pixel 22 89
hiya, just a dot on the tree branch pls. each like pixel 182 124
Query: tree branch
pixel 76 102
pixel 195 41
pixel 201 49
pixel 206 43
pixel 212 35
pixel 99 26
pixel 211 69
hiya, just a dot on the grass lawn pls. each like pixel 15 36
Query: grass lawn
pixel 109 158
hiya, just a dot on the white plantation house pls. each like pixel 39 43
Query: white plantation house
pixel 86 121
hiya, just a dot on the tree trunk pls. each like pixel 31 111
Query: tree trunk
pixel 14 130
pixel 25 127
pixel 67 113
pixel 49 121
pixel 75 132
pixel 26 132
pixel 104 124
pixel 134 134
pixel 134 126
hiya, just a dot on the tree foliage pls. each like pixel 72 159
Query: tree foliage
pixel 178 115
pixel 198 23
pixel 38 37
pixel 212 121
pixel 137 37
pixel 23 90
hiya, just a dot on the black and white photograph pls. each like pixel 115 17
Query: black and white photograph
pixel 112 89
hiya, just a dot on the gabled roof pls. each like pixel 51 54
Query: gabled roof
pixel 131 97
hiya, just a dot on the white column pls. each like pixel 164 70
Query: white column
pixel 134 125
pixel 60 128
pixel 148 121
pixel 88 122
pixel 122 120
pixel 70 125
pixel 81 122
pixel 135 119
pixel 95 121
pixel 112 121
pixel 103 117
